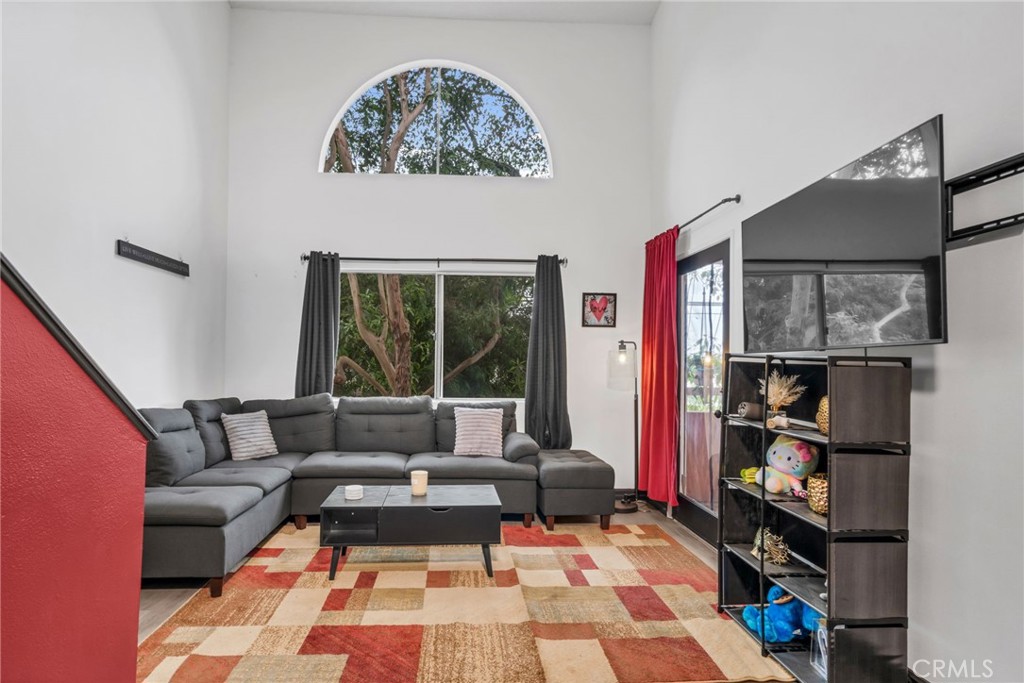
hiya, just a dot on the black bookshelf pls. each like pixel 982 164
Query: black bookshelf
pixel 859 547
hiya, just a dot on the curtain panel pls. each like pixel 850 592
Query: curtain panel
pixel 547 412
pixel 660 372
pixel 318 334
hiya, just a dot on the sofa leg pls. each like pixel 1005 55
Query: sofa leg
pixel 528 520
pixel 300 521
pixel 549 522
pixel 605 521
pixel 216 586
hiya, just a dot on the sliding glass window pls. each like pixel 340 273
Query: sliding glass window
pixel 440 335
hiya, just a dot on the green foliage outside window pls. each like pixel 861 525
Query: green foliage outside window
pixel 437 120
pixel 387 335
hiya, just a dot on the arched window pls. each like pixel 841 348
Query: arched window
pixel 436 118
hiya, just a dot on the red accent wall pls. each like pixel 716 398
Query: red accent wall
pixel 72 475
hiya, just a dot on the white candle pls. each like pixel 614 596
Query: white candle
pixel 419 482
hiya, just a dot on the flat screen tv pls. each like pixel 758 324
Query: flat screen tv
pixel 855 260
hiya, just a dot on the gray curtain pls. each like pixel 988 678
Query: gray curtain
pixel 318 337
pixel 547 413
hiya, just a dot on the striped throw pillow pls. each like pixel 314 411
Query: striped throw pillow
pixel 249 435
pixel 478 431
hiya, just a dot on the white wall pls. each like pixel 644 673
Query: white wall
pixel 763 99
pixel 115 126
pixel 587 84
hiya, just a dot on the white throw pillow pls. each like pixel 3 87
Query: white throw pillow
pixel 249 435
pixel 478 431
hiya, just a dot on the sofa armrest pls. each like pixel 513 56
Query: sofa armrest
pixel 519 445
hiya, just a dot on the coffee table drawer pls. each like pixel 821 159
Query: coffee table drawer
pixel 439 525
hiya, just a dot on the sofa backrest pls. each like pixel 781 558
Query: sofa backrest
pixel 385 423
pixel 300 425
pixel 177 452
pixel 445 416
pixel 206 415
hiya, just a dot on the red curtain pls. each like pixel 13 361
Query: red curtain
pixel 659 439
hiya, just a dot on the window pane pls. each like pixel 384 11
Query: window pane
pixel 485 131
pixel 486 334
pixel 394 356
pixel 372 136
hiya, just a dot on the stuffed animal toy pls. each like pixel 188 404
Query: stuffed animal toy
pixel 789 461
pixel 785 617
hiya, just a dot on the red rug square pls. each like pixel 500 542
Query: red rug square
pixel 644 604
pixel 257 576
pixel 321 562
pixel 376 654
pixel 337 599
pixel 640 660
pixel 366 580
pixel 584 562
pixel 205 669
pixel 536 537
pixel 439 579
pixel 576 577
pixel 266 552
pixel 505 578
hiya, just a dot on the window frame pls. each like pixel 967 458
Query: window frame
pixel 443 64
pixel 439 273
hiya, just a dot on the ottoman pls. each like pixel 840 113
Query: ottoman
pixel 572 482
pixel 204 531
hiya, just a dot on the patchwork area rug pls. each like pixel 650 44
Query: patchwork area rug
pixel 579 604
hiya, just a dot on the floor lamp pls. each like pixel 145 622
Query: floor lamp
pixel 622 376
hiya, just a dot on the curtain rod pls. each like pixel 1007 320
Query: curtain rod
pixel 563 261
pixel 704 213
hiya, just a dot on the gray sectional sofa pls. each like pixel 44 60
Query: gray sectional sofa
pixel 204 511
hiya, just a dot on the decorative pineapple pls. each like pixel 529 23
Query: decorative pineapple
pixel 822 416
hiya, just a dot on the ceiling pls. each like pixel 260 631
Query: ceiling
pixel 573 11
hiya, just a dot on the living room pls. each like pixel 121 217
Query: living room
pixel 200 130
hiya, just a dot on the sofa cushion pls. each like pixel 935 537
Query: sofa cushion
pixel 249 435
pixel 567 469
pixel 300 425
pixel 368 464
pixel 206 415
pixel 177 452
pixel 264 478
pixel 451 466
pixel 198 506
pixel 478 431
pixel 394 424
pixel 445 418
pixel 286 461
pixel 518 446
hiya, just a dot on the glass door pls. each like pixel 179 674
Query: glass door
pixel 703 331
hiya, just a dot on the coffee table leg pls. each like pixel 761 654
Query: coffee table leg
pixel 335 551
pixel 487 559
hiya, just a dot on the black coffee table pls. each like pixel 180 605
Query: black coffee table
pixel 391 515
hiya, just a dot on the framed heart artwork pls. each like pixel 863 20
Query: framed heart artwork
pixel 599 309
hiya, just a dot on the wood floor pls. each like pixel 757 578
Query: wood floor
pixel 162 598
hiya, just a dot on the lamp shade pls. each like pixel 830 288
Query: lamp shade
pixel 622 369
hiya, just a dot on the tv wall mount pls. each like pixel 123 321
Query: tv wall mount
pixel 982 177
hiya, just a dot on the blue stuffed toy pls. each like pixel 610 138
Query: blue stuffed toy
pixel 785 617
